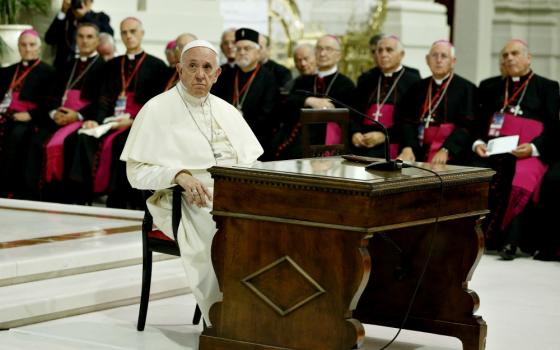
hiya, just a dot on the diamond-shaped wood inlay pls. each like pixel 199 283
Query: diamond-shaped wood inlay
pixel 283 285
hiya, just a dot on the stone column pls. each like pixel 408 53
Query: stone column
pixel 535 21
pixel 165 20
pixel 472 35
pixel 418 23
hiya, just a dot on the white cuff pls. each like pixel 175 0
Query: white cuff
pixel 476 143
pixel 52 113
pixel 61 16
pixel 535 151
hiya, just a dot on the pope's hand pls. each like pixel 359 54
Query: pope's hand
pixel 195 191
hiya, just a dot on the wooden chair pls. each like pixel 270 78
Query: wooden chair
pixel 154 240
pixel 312 119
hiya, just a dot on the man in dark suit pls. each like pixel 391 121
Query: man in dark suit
pixel 62 31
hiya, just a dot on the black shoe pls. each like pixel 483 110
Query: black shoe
pixel 508 252
pixel 544 255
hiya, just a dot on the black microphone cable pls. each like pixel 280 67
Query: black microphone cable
pixel 428 258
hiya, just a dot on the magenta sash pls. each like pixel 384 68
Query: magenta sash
pixel 132 107
pixel 386 118
pixel 19 105
pixel 103 172
pixel 74 101
pixel 54 149
pixel 435 136
pixel 528 172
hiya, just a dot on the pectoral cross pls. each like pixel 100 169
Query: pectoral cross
pixel 427 121
pixel 516 110
pixel 377 114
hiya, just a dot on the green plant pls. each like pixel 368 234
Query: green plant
pixel 10 9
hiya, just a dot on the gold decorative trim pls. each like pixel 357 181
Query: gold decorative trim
pixel 369 230
pixel 372 188
pixel 283 312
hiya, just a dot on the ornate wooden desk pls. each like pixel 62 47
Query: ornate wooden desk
pixel 307 250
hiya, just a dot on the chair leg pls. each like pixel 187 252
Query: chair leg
pixel 197 315
pixel 146 282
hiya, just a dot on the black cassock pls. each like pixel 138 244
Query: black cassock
pixel 287 143
pixel 87 79
pixel 458 106
pixel 149 81
pixel 541 101
pixel 282 75
pixel 366 95
pixel 62 34
pixel 17 175
pixel 257 101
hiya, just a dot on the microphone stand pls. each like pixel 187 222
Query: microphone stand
pixel 388 164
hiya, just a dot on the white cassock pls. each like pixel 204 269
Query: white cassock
pixel 176 131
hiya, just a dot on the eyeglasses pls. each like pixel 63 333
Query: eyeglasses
pixel 326 49
pixel 193 68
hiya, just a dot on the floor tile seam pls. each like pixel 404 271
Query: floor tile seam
pixel 69 236
pixel 79 341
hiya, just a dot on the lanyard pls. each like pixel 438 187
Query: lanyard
pixel 523 87
pixel 172 81
pixel 17 80
pixel 126 82
pixel 393 86
pixel 245 88
pixel 70 84
pixel 328 87
pixel 440 94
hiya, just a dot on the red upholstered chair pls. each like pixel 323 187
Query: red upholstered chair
pixel 154 240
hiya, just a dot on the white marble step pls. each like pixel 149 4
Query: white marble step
pixel 48 299
pixel 57 259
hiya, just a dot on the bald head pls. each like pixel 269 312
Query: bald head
pixel 327 52
pixel 181 41
pixel 516 58
pixel 227 45
pixel 441 59
pixel 389 53
pixel 132 33
pixel 304 59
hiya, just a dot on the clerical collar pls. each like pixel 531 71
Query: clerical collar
pixel 193 100
pixel 440 81
pixel 390 74
pixel 85 58
pixel 522 77
pixel 325 73
pixel 27 63
pixel 132 56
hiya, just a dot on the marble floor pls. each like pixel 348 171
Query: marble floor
pixel 520 299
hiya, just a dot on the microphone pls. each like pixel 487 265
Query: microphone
pixel 388 164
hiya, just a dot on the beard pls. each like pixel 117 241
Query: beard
pixel 243 62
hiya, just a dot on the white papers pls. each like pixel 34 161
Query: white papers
pixel 104 128
pixel 501 145
pixel 98 131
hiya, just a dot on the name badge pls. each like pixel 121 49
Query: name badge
pixel 496 124
pixel 120 105
pixel 6 102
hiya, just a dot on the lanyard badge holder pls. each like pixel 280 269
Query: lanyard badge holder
pixel 120 105
pixel 6 102
pixel 496 124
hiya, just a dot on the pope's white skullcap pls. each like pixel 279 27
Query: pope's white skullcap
pixel 199 43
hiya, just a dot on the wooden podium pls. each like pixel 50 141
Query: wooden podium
pixel 307 250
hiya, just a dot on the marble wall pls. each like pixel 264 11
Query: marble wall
pixel 481 26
